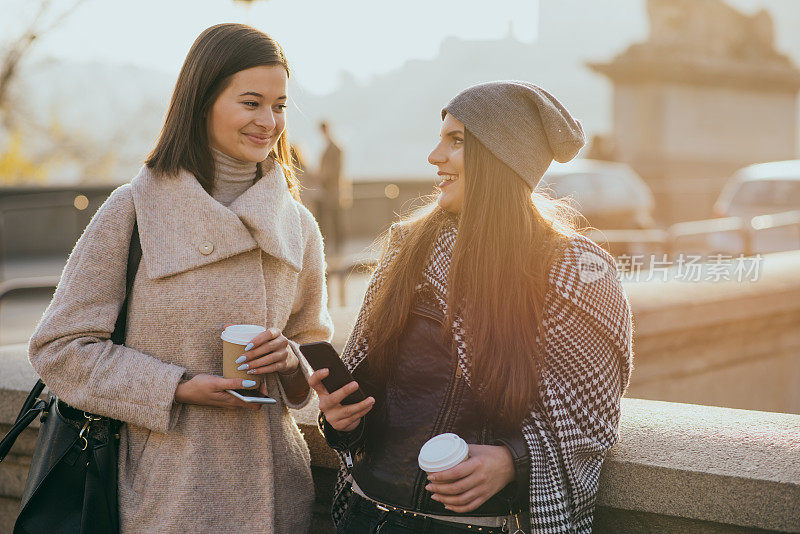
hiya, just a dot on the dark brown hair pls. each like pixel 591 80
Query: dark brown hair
pixel 507 240
pixel 218 53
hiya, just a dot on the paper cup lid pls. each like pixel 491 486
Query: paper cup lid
pixel 442 452
pixel 241 334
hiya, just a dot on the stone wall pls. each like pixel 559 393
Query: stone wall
pixel 725 343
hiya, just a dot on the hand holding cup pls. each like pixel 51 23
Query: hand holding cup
pixel 268 352
pixel 486 470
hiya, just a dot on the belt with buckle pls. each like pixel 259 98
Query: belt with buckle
pixel 485 524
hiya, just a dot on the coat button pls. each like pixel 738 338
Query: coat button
pixel 206 248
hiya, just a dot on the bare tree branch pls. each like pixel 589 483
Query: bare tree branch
pixel 19 47
pixel 62 17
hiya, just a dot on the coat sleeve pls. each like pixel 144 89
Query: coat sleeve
pixel 587 367
pixel 71 347
pixel 309 320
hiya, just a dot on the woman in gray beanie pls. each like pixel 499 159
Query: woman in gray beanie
pixel 491 318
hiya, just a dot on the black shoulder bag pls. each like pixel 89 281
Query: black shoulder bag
pixel 72 482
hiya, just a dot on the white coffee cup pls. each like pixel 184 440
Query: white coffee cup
pixel 442 452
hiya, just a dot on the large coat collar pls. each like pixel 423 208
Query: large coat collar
pixel 182 227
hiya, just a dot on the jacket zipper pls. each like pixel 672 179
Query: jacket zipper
pixel 484 435
pixel 444 420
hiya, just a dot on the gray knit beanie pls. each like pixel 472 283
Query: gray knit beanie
pixel 520 123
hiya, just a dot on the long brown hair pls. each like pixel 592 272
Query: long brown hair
pixel 216 55
pixel 507 239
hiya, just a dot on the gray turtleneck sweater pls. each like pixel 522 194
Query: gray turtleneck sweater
pixel 232 177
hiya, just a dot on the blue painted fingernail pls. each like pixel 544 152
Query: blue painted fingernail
pixel 243 367
pixel 248 347
pixel 251 372
pixel 248 383
pixel 240 359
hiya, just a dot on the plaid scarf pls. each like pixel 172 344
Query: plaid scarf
pixel 588 361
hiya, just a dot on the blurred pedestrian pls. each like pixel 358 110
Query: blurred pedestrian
pixel 336 194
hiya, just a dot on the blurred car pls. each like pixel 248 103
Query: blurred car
pixel 761 189
pixel 610 195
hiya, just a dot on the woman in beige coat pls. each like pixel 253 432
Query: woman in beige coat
pixel 224 240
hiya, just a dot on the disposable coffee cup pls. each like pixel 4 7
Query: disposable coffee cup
pixel 234 339
pixel 442 452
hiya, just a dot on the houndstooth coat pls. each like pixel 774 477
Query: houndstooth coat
pixel 588 361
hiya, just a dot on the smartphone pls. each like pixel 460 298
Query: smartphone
pixel 322 355
pixel 251 395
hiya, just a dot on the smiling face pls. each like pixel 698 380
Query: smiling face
pixel 249 116
pixel 448 156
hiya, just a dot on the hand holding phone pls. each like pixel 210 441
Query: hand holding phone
pixel 340 398
pixel 322 355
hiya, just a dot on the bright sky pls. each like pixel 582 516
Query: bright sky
pixel 321 38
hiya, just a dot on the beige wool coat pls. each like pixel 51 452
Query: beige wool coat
pixel 188 468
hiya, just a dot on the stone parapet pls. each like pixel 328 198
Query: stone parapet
pixel 690 468
pixel 724 343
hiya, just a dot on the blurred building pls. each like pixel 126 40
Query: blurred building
pixel 704 95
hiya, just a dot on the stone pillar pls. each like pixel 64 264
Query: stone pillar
pixel 706 94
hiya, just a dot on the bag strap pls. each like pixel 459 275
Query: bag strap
pixel 31 400
pixel 32 407
pixel 134 257
pixel 21 424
